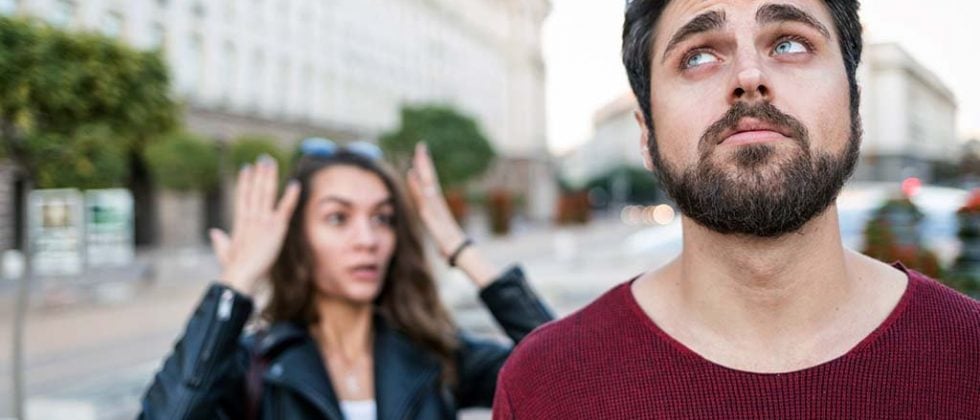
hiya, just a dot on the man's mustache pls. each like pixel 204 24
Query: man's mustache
pixel 762 111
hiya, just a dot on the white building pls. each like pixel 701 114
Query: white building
pixel 615 142
pixel 342 68
pixel 909 117
pixel 907 112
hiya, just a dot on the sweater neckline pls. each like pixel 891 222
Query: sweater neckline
pixel 914 283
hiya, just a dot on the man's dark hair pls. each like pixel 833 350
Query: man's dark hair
pixel 640 24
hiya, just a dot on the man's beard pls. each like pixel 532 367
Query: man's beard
pixel 767 195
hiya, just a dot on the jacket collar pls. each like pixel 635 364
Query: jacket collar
pixel 403 370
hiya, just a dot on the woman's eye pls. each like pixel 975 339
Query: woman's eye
pixel 335 219
pixel 384 219
pixel 698 59
pixel 790 46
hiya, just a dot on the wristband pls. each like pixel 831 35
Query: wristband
pixel 459 250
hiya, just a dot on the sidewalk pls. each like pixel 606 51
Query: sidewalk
pixel 92 357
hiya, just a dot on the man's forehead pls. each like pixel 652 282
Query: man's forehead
pixel 679 12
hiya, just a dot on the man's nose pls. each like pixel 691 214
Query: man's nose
pixel 750 82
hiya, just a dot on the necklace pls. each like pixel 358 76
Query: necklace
pixel 350 380
pixel 343 368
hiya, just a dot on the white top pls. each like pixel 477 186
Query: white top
pixel 359 410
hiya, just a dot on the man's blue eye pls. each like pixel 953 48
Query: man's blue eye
pixel 790 47
pixel 698 59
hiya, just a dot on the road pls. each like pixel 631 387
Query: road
pixel 92 356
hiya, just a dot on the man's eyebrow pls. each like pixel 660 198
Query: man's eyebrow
pixel 705 22
pixel 777 13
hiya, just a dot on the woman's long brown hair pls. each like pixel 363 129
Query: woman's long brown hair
pixel 408 301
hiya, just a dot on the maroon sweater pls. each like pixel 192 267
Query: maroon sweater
pixel 610 361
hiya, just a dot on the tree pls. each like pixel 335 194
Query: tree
pixel 246 149
pixel 84 96
pixel 183 162
pixel 459 149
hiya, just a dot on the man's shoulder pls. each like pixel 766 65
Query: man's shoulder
pixel 937 303
pixel 583 336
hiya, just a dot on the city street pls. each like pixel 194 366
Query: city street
pixel 91 356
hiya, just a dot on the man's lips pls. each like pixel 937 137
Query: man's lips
pixel 752 131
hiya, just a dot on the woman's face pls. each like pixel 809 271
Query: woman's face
pixel 349 224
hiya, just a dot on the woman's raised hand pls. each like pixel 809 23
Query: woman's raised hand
pixel 423 184
pixel 259 226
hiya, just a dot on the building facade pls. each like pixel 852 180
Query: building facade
pixel 342 68
pixel 909 117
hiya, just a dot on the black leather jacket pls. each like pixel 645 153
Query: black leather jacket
pixel 204 377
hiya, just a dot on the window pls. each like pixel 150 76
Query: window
pixel 229 70
pixel 64 13
pixel 8 7
pixel 257 83
pixel 158 36
pixel 198 10
pixel 112 24
pixel 192 64
pixel 230 10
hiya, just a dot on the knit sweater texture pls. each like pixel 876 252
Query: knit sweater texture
pixel 611 361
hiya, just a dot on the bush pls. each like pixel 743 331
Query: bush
pixel 892 235
pixel 93 157
pixel 460 151
pixel 641 184
pixel 183 162
pixel 246 149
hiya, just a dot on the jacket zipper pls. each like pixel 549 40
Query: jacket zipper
pixel 222 314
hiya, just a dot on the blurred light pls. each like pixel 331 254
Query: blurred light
pixel 12 264
pixel 911 186
pixel 663 214
pixel 624 215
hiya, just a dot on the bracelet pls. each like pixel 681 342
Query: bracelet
pixel 459 250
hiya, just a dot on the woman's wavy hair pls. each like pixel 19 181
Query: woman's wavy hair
pixel 408 301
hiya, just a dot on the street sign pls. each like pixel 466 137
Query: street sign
pixel 108 228
pixel 55 225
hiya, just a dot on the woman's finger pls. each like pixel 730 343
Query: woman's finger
pixel 423 165
pixel 221 245
pixel 242 185
pixel 268 187
pixel 414 185
pixel 287 204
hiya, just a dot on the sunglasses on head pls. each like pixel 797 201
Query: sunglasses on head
pixel 324 148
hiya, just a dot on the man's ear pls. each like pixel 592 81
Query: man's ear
pixel 644 140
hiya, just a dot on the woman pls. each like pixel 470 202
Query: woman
pixel 355 326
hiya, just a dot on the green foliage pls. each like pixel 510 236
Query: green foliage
pixel 90 158
pixel 459 149
pixel 892 235
pixel 246 149
pixel 642 185
pixel 183 162
pixel 57 84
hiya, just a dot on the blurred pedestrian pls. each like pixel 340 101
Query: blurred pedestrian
pixel 749 115
pixel 353 328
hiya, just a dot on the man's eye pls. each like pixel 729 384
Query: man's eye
pixel 699 58
pixel 790 46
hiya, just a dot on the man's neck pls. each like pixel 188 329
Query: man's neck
pixel 769 304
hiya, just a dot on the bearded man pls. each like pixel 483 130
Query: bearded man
pixel 749 115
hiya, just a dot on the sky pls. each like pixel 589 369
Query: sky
pixel 582 40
